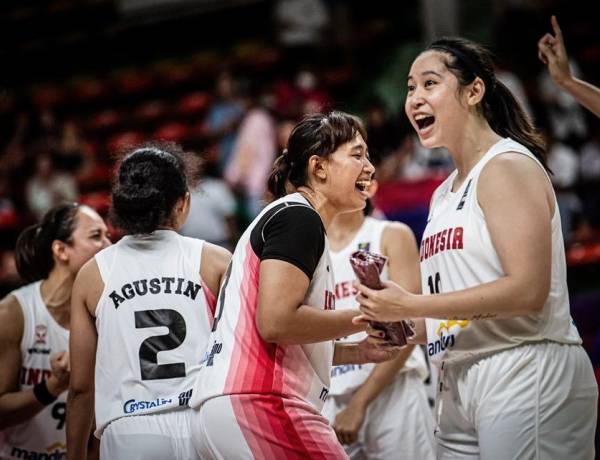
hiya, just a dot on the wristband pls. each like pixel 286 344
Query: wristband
pixel 41 393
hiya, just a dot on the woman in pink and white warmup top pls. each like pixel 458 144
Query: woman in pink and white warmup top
pixel 266 374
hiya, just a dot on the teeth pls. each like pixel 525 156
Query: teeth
pixel 421 116
pixel 363 184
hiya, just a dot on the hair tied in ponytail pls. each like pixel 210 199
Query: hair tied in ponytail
pixel 286 157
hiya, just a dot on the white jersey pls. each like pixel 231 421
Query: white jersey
pixel 42 436
pixel 347 378
pixel 153 320
pixel 238 360
pixel 457 253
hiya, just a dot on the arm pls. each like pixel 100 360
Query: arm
pixel 518 205
pixel 552 52
pixel 282 318
pixel 18 406
pixel 82 344
pixel 399 245
pixel 215 262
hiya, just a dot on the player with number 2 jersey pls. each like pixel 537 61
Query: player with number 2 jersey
pixel 147 304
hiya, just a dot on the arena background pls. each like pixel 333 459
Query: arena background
pixel 228 78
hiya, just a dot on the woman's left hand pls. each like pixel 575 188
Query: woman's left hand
pixel 388 304
pixel 371 353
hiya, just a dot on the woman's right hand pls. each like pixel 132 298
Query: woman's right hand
pixel 61 371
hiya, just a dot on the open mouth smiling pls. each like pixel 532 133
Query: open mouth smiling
pixel 363 185
pixel 423 121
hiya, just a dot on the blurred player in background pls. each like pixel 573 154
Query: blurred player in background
pixel 378 411
pixel 142 312
pixel 34 330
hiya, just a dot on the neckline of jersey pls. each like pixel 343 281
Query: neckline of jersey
pixel 466 181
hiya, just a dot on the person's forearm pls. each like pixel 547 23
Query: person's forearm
pixel 18 407
pixel 310 325
pixel 347 353
pixel 502 298
pixel 80 412
pixel 585 93
pixel 381 376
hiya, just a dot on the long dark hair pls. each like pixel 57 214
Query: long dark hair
pixel 149 181
pixel 33 252
pixel 499 107
pixel 317 134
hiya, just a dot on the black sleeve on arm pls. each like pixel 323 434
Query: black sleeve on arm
pixel 294 234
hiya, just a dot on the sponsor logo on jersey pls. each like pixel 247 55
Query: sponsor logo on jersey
pixel 464 197
pixel 439 345
pixel 184 397
pixel 447 325
pixel 133 405
pixel 38 351
pixel 215 350
pixel 324 393
pixel 336 371
pixel 445 240
pixel 446 340
pixel 364 246
pixel 40 334
pixel 168 285
pixel 56 451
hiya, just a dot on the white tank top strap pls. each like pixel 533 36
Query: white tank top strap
pixel 192 250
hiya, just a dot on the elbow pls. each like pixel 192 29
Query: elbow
pixel 268 330
pixel 535 298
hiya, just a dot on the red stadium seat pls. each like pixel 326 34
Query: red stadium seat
pixel 124 140
pixel 151 110
pixel 194 103
pixel 172 132
pixel 106 119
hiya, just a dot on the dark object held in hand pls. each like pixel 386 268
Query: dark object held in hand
pixel 367 267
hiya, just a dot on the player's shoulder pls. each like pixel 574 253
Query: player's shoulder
pixel 12 319
pixel 215 256
pixel 394 229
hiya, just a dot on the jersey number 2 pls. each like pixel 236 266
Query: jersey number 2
pixel 150 347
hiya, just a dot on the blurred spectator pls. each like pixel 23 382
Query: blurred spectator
pixel 48 187
pixel 69 156
pixel 212 213
pixel 284 129
pixel 514 84
pixel 300 25
pixel 253 155
pixel 564 163
pixel 304 96
pixel 384 134
pixel 224 117
pixel 590 182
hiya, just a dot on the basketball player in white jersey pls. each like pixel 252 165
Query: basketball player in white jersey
pixel 515 381
pixel 266 374
pixel 34 331
pixel 142 312
pixel 378 411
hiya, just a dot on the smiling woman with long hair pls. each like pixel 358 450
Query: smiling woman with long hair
pixel 515 381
